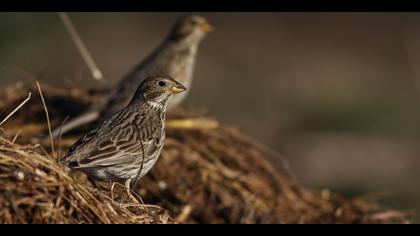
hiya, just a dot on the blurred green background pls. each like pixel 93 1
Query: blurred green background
pixel 338 94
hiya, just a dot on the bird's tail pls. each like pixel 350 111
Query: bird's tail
pixel 80 120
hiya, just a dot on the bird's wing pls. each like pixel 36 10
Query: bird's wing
pixel 81 142
pixel 122 146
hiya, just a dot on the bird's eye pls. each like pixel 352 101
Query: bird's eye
pixel 161 83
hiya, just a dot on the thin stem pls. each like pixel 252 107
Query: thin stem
pixel 90 62
pixel 16 109
pixel 48 118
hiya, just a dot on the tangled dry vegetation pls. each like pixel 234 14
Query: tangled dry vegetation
pixel 208 175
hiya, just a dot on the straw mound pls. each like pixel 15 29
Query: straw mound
pixel 34 189
pixel 203 176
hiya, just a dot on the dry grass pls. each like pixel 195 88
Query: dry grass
pixel 34 189
pixel 213 175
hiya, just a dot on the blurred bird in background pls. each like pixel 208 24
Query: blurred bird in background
pixel 174 57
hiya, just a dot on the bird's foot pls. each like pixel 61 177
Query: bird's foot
pixel 92 182
pixel 128 191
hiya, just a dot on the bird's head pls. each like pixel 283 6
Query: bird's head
pixel 158 89
pixel 191 28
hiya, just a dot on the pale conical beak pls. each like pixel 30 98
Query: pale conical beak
pixel 177 88
pixel 207 27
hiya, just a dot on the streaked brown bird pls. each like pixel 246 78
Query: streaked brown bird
pixel 174 57
pixel 127 145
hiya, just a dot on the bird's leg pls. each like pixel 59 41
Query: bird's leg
pixel 192 123
pixel 128 189
pixel 92 182
pixel 112 191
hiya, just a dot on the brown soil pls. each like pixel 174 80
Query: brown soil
pixel 204 175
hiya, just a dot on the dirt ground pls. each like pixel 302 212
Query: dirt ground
pixel 210 174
